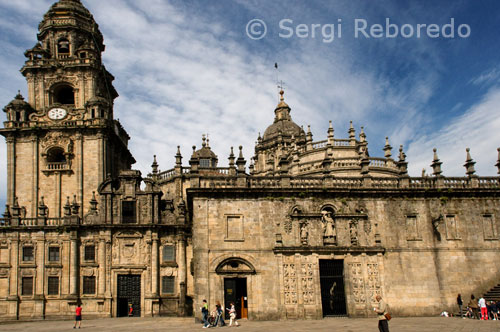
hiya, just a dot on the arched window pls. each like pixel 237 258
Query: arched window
pixel 64 94
pixel 56 155
pixel 63 46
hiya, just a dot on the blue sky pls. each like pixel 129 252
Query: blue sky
pixel 184 68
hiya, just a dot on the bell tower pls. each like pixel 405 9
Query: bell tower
pixel 64 141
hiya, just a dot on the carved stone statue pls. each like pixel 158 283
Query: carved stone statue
pixel 353 230
pixel 329 233
pixel 303 234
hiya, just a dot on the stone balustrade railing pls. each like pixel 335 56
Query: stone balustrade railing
pixel 347 182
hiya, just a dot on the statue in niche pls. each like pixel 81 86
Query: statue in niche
pixel 353 231
pixel 303 234
pixel 329 233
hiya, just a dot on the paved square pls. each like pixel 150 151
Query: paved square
pixel 423 324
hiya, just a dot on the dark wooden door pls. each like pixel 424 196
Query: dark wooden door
pixel 129 292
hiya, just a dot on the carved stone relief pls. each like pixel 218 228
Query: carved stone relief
pixel 373 285
pixel 357 283
pixel 308 283
pixel 290 283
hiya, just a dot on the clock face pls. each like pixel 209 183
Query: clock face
pixel 57 113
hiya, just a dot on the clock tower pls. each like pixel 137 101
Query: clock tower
pixel 63 141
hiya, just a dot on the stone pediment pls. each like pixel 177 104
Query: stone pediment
pixel 235 265
pixel 128 235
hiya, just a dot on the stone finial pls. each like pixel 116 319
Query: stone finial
pixel 204 141
pixel 423 172
pixel 93 202
pixel 387 148
pixel 252 165
pixel 154 165
pixel 330 131
pixel 309 134
pixel 469 164
pixel 67 207
pixel 436 164
pixel 178 157
pixel 240 162
pixel 498 161
pixel 402 164
pixel 16 210
pixel 402 155
pixel 42 208
pixel 231 158
pixel 259 139
pixel 75 207
pixel 352 132
pixel 362 135
pixel 6 213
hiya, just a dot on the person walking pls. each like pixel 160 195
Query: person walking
pixel 474 306
pixel 460 303
pixel 78 316
pixel 484 309
pixel 218 315
pixel 232 315
pixel 383 325
pixel 204 312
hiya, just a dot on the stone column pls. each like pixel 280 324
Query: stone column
pixel 34 198
pixel 181 272
pixel 154 265
pixel 14 256
pixel 11 170
pixel 102 267
pixel 74 264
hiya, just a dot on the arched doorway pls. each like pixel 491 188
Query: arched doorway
pixel 235 272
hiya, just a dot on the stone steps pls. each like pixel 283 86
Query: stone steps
pixel 493 294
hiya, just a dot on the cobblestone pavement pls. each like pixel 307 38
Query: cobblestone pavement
pixel 424 324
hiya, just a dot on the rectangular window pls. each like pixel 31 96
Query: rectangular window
pixel 128 212
pixel 28 254
pixel 451 227
pixel 234 228
pixel 489 227
pixel 53 286
pixel 89 254
pixel 89 285
pixel 412 231
pixel 27 286
pixel 53 254
pixel 167 285
pixel 168 253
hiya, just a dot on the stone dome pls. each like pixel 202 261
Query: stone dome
pixel 18 104
pixel 286 127
pixel 282 123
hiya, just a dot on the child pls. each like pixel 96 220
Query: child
pixel 232 315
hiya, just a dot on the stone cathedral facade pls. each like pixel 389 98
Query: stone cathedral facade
pixel 308 229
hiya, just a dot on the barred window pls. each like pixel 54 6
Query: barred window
pixel 88 285
pixel 167 285
pixel 27 286
pixel 89 253
pixel 53 254
pixel 28 254
pixel 168 253
pixel 53 286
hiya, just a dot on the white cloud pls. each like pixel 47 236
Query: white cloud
pixel 182 72
pixel 477 129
